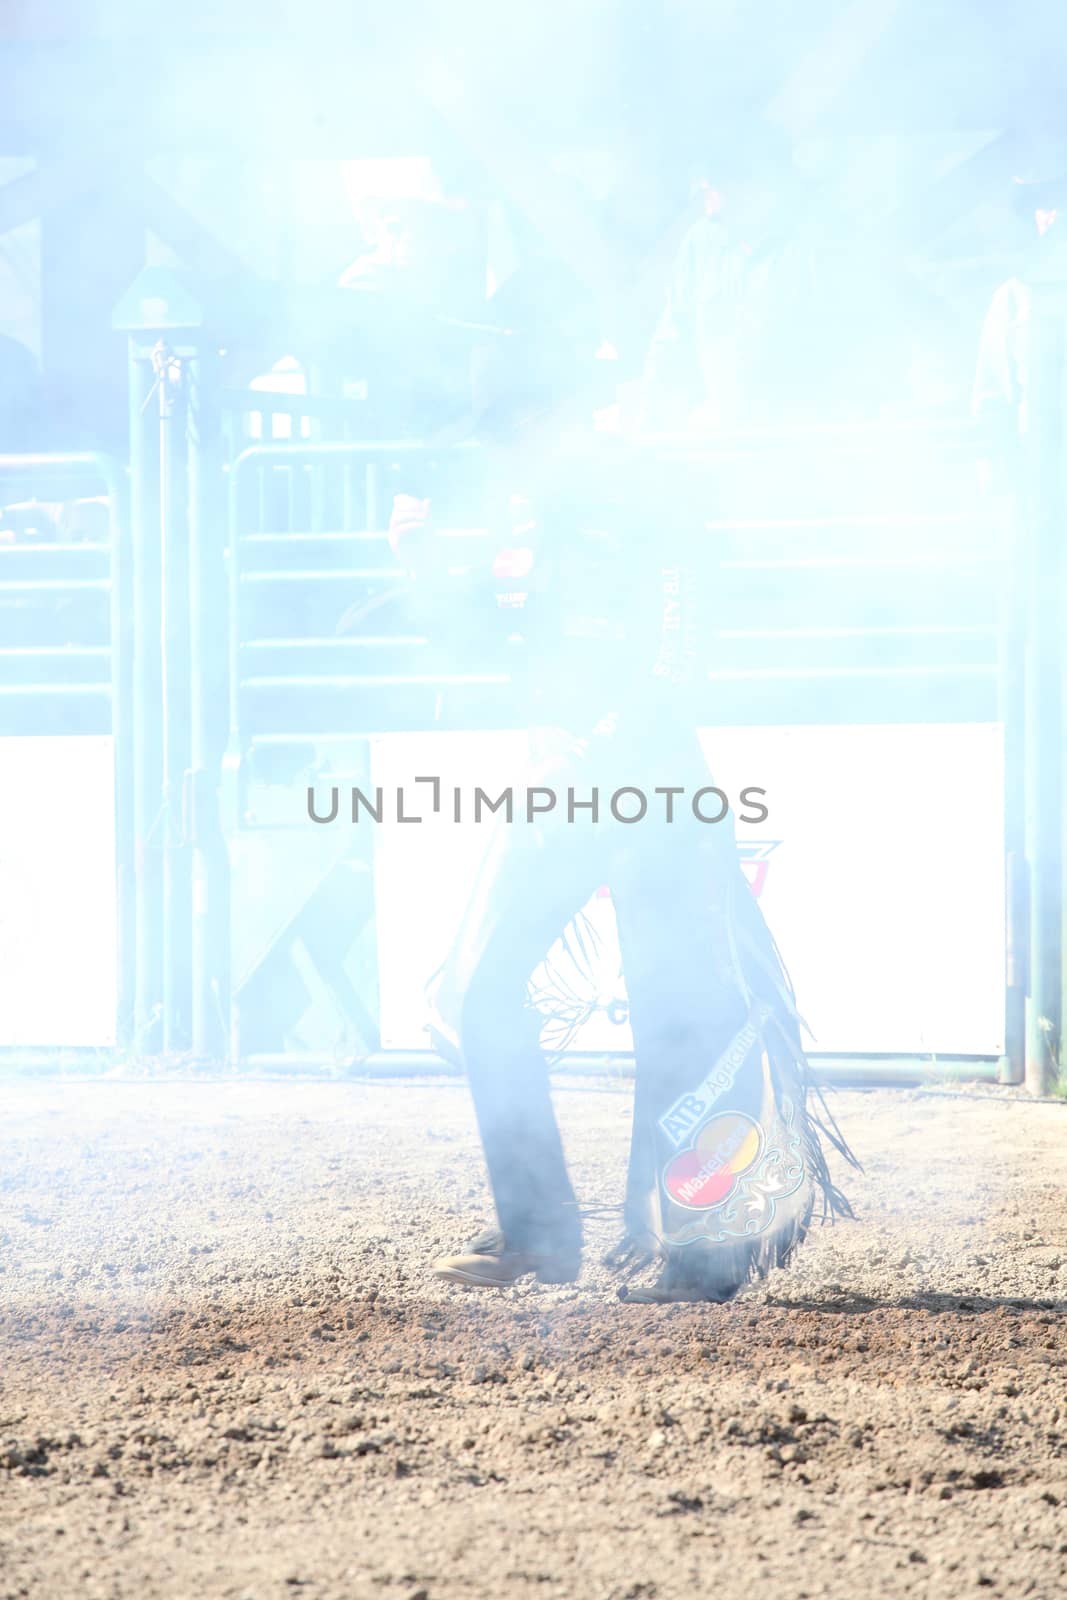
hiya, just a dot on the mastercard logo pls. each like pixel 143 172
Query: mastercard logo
pixel 707 1173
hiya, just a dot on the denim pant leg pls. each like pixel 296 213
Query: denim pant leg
pixel 674 888
pixel 531 883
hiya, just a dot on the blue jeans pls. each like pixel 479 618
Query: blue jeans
pixel 672 885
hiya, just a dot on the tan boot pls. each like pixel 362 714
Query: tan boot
pixel 489 1263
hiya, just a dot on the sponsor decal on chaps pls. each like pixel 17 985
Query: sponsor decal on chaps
pixel 687 1112
pixel 707 1174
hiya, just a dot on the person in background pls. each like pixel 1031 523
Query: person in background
pixel 731 348
pixel 1021 348
pixel 777 313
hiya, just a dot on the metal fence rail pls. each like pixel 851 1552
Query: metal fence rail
pixel 321 615
pixel 819 617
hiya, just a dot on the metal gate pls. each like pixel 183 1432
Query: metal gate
pixel 860 578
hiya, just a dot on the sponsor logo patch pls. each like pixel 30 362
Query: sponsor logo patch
pixel 706 1175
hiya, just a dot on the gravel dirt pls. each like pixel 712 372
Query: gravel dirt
pixel 226 1371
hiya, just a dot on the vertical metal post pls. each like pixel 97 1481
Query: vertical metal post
pixel 208 657
pixel 234 772
pixel 122 679
pixel 1044 757
pixel 164 319
pixel 147 735
pixel 174 645
pixel 1011 709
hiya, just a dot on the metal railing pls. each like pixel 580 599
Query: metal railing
pixel 896 613
pixel 320 637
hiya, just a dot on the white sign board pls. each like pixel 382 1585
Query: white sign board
pixel 880 868
pixel 58 907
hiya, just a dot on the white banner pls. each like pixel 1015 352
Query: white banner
pixel 880 868
pixel 58 906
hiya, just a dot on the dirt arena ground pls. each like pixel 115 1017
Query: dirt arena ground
pixel 225 1371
